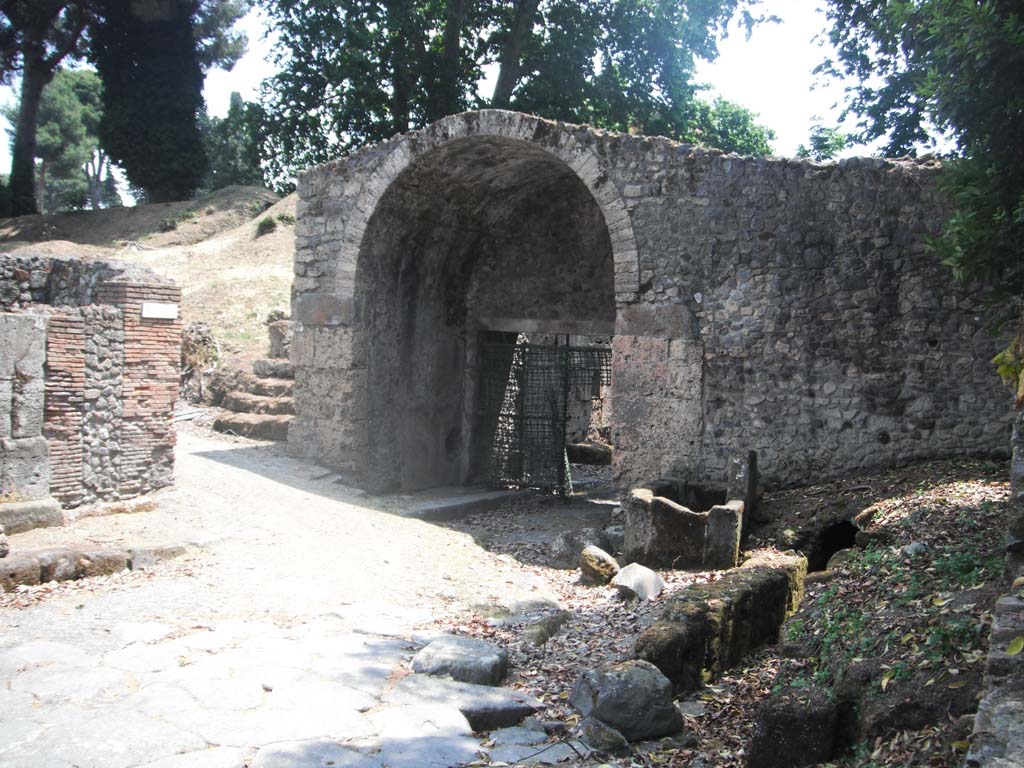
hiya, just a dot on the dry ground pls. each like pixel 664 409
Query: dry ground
pixel 230 277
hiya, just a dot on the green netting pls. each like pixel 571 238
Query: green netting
pixel 524 390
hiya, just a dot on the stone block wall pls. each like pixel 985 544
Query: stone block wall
pixel 777 305
pixel 111 375
pixel 24 455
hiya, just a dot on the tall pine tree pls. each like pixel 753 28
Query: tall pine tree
pixel 145 52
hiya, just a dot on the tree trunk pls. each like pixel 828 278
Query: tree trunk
pixel 93 170
pixel 512 51
pixel 445 97
pixel 41 189
pixel 403 71
pixel 23 156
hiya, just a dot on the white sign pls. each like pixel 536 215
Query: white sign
pixel 155 310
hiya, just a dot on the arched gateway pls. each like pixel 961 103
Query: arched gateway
pixel 767 304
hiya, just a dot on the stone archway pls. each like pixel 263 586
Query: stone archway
pixel 483 222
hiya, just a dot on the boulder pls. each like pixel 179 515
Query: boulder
pixel 632 697
pixel 638 581
pixel 840 559
pixel 464 659
pixel 601 737
pixel 5 546
pixel 795 728
pixel 597 566
pixel 538 632
pixel 566 548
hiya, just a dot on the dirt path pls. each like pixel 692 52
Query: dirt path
pixel 279 537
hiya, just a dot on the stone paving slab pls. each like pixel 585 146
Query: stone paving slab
pixel 484 706
pixel 289 628
pixel 315 694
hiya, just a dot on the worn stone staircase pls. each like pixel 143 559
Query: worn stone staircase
pixel 262 406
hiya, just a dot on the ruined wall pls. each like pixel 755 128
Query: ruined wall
pixel 830 339
pixel 110 377
pixel 778 305
pixel 24 459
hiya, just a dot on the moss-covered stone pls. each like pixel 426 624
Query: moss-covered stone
pixel 709 628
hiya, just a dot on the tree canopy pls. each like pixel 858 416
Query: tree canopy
pixel 35 37
pixel 956 67
pixel 233 145
pixel 71 168
pixel 38 36
pixel 358 71
pixel 152 95
pixel 824 143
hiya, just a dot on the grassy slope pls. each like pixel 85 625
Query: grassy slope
pixel 229 278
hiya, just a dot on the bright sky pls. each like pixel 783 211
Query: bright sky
pixel 769 74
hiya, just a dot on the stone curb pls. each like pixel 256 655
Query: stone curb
pixel 708 628
pixel 70 564
pixel 997 740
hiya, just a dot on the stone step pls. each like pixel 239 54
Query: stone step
pixel 246 402
pixel 271 368
pixel 270 387
pixel 255 425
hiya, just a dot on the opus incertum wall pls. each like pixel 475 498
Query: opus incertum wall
pixel 778 305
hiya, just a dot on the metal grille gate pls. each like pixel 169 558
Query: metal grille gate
pixel 524 398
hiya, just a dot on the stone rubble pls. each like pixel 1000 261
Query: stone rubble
pixel 637 581
pixel 597 566
pixel 566 547
pixel 632 697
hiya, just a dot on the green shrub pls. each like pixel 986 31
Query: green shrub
pixel 265 226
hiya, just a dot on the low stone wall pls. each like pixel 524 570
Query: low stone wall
pixel 110 336
pixel 999 725
pixel 998 737
pixel 709 628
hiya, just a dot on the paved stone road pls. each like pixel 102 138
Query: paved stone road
pixel 277 653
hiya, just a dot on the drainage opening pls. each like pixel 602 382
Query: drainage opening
pixel 827 542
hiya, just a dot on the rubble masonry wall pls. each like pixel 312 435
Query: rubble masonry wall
pixel 779 305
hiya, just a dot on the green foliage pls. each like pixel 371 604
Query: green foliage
pixel 217 44
pixel 265 226
pixel 731 128
pixel 956 66
pixel 359 71
pixel 152 95
pixel 825 143
pixel 71 167
pixel 35 38
pixel 233 146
